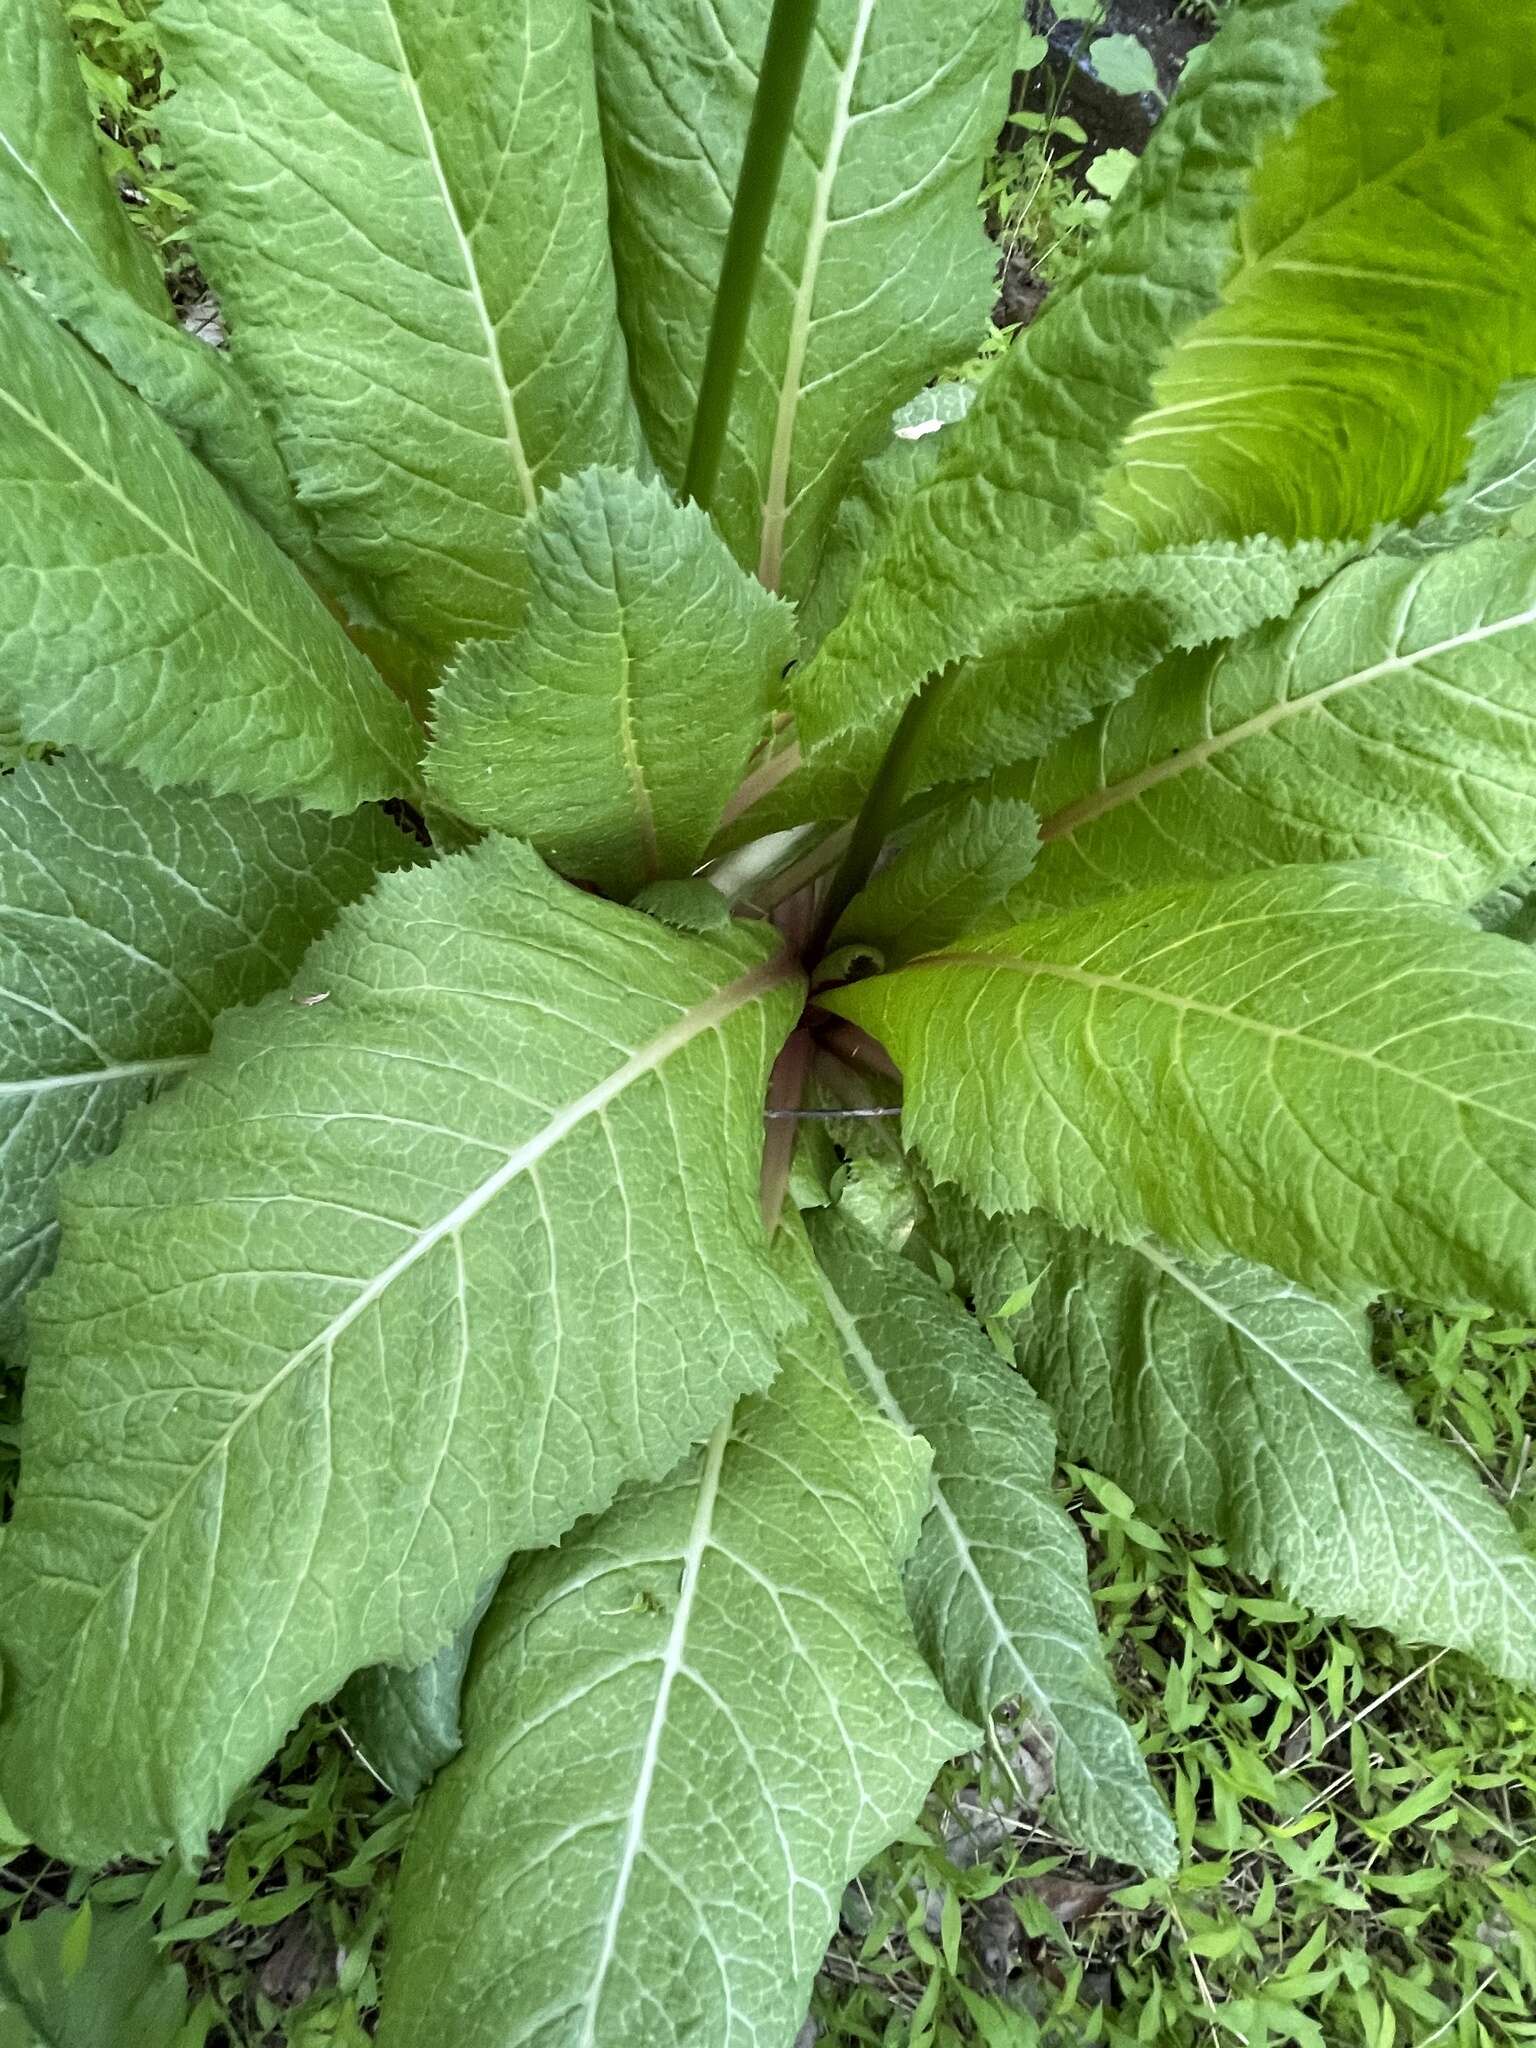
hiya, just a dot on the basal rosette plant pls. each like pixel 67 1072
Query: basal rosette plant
pixel 485 1269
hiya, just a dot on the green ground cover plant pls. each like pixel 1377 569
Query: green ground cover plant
pixel 1104 781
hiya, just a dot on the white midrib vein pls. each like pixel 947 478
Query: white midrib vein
pixel 1098 802
pixel 512 431
pixel 629 744
pixel 702 1017
pixel 1085 977
pixel 880 1387
pixel 96 1077
pixel 49 201
pixel 114 490
pixel 634 769
pixel 1374 1445
pixel 698 1545
pixel 776 500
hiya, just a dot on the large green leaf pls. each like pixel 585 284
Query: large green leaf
pixel 402 208
pixel 685 1731
pixel 612 730
pixel 1230 1401
pixel 58 211
pixel 1392 718
pixel 128 921
pixel 1301 1066
pixel 875 272
pixel 998 1585
pixel 1019 476
pixel 61 224
pixel 392 1285
pixel 1385 292
pixel 145 618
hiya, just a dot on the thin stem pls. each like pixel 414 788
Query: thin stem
pixel 786 1087
pixel 757 185
pixel 878 815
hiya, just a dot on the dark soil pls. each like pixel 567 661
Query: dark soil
pixel 1111 120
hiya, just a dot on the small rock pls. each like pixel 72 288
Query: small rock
pixel 297 1967
pixel 203 320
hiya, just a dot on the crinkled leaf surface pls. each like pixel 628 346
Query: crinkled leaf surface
pixel 128 921
pixel 1302 1066
pixel 1233 1402
pixel 875 273
pixel 393 1285
pixel 58 211
pixel 1089 627
pixel 1392 718
pixel 144 617
pixel 1020 474
pixel 401 205
pixel 685 1731
pixel 612 730
pixel 1385 292
pixel 195 390
pixel 1494 492
pixel 998 1584
pixel 865 515
pixel 962 860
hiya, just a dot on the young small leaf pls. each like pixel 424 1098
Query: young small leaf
pixel 691 904
pixel 685 1731
pixel 128 920
pixel 1123 64
pixel 403 211
pixel 1230 1401
pixel 393 1285
pixel 145 618
pixel 1302 1066
pixel 1389 718
pixel 612 730
pixel 961 862
pixel 998 1585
